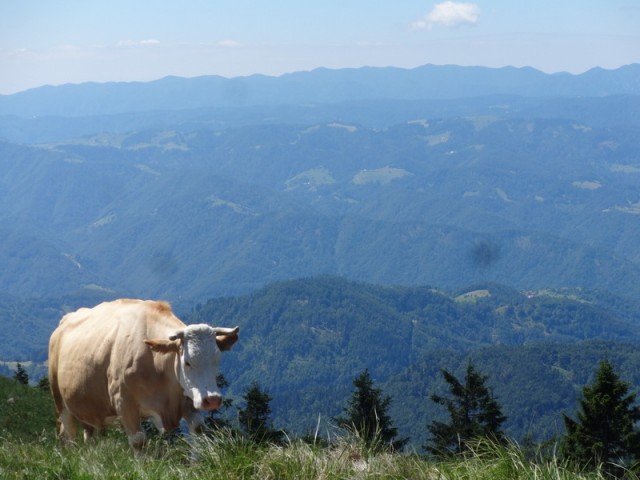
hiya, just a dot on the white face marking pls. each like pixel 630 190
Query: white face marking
pixel 199 365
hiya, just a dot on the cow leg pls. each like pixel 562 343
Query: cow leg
pixel 157 422
pixel 89 432
pixel 194 419
pixel 67 427
pixel 196 425
pixel 194 422
pixel 131 422
pixel 137 441
pixel 135 434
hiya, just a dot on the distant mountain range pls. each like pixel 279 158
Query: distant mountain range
pixel 531 192
pixel 531 203
pixel 434 178
pixel 316 87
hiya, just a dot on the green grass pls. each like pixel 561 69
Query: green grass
pixel 25 411
pixel 29 449
pixel 230 457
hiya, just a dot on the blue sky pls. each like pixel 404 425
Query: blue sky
pixel 71 41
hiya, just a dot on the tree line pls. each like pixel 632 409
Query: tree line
pixel 603 434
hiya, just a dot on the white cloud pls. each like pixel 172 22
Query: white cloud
pixel 228 43
pixel 135 43
pixel 450 14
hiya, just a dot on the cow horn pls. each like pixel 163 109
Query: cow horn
pixel 226 331
pixel 179 335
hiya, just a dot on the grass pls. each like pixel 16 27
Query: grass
pixel 29 449
pixel 230 457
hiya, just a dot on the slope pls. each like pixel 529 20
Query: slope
pixel 304 341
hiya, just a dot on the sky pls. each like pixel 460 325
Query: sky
pixel 53 42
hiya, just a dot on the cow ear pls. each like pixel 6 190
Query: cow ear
pixel 163 346
pixel 225 342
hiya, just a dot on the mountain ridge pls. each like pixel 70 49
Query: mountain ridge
pixel 321 85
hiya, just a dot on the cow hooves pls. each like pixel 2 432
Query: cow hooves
pixel 137 441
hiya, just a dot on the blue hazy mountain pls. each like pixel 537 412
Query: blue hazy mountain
pixel 317 86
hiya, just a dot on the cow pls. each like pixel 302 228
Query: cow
pixel 127 360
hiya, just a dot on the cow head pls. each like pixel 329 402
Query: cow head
pixel 199 348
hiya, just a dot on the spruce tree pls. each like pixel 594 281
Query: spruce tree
pixel 43 384
pixel 474 413
pixel 21 375
pixel 255 417
pixel 366 414
pixel 603 432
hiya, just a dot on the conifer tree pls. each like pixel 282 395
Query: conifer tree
pixel 603 432
pixel 474 413
pixel 43 384
pixel 255 417
pixel 366 414
pixel 21 375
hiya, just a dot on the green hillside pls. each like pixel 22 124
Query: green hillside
pixel 200 214
pixel 26 413
pixel 304 341
pixel 534 384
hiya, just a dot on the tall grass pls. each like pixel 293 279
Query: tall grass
pixel 228 456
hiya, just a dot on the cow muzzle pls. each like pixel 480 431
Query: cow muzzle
pixel 212 402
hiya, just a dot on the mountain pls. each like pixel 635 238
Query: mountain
pixel 603 112
pixel 529 202
pixel 318 86
pixel 273 195
pixel 304 341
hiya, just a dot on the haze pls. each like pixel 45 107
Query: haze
pixel 49 43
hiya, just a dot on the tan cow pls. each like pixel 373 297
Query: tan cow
pixel 133 359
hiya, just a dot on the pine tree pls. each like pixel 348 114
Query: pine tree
pixel 366 414
pixel 474 413
pixel 255 417
pixel 21 375
pixel 43 384
pixel 603 432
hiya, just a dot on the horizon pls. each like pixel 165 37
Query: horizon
pixel 51 44
pixel 106 82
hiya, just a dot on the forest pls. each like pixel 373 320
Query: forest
pixel 303 338
pixel 402 236
pixel 538 348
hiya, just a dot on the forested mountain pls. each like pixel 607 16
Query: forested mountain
pixel 429 179
pixel 534 383
pixel 304 341
pixel 532 203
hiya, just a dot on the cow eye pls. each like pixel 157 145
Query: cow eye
pixel 187 364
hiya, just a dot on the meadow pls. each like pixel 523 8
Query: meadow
pixel 226 456
pixel 30 449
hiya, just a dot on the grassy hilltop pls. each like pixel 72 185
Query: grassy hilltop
pixel 29 449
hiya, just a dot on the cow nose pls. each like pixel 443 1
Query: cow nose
pixel 212 402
